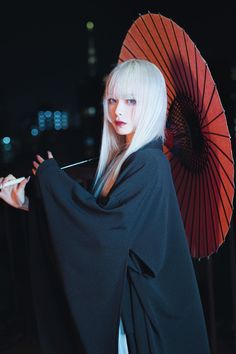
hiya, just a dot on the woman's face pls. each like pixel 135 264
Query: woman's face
pixel 121 114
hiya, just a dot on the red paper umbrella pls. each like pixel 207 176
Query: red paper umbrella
pixel 198 143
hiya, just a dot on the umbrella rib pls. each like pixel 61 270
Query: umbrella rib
pixel 180 180
pixel 213 119
pixel 163 44
pixel 204 87
pixel 137 44
pixel 208 201
pixel 200 207
pixel 226 174
pixel 186 76
pixel 186 90
pixel 198 213
pixel 174 55
pixel 176 164
pixel 216 169
pixel 133 55
pixel 220 199
pixel 211 206
pixel 222 151
pixel 217 134
pixel 186 47
pixel 150 34
pixel 212 94
pixel 205 212
pixel 185 194
pixel 196 67
pixel 150 50
pixel 215 203
pixel 194 205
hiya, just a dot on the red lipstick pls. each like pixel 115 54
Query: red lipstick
pixel 119 123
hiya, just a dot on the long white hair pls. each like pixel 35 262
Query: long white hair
pixel 143 81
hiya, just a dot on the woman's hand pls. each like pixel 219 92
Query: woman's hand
pixel 14 195
pixel 39 161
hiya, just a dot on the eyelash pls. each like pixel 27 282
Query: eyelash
pixel 111 100
pixel 131 101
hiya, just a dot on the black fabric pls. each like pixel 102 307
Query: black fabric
pixel 93 261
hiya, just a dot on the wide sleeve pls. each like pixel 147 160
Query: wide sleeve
pixel 100 224
pixel 82 253
pixel 83 249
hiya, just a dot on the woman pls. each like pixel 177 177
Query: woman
pixel 111 270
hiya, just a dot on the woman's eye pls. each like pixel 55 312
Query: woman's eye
pixel 111 100
pixel 131 101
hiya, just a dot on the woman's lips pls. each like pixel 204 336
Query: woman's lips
pixel 119 123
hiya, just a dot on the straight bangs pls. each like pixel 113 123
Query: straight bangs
pixel 123 83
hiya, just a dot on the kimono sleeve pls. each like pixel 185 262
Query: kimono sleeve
pixel 104 226
pixel 79 257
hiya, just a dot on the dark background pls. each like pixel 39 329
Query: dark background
pixel 44 66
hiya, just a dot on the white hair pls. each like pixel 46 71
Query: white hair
pixel 143 81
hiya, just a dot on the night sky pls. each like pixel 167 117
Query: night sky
pixel 44 48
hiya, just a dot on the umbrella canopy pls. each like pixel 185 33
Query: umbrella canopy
pixel 198 143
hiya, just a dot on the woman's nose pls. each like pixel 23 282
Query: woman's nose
pixel 119 109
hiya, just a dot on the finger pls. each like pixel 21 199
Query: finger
pixel 7 179
pixel 40 159
pixel 25 181
pixel 22 184
pixel 36 165
pixel 50 156
pixel 33 171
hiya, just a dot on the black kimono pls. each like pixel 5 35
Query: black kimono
pixel 126 255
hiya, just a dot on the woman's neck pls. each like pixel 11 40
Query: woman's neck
pixel 128 138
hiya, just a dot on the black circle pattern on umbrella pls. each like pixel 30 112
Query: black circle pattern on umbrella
pixel 189 144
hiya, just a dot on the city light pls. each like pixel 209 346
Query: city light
pixel 49 120
pixel 90 25
pixel 34 131
pixel 6 140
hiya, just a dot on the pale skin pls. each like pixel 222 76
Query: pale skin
pixel 15 195
pixel 120 110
